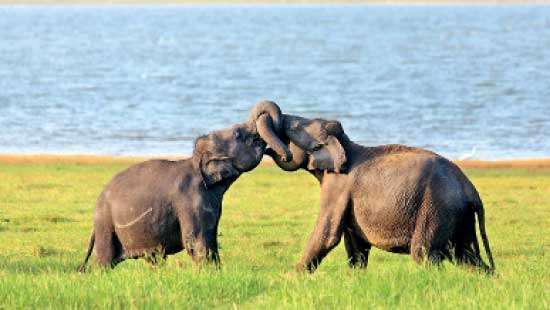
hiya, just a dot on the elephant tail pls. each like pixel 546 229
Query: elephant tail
pixel 481 218
pixel 82 267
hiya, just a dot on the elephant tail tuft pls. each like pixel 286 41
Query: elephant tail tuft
pixel 82 267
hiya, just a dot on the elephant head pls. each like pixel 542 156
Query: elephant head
pixel 315 144
pixel 224 154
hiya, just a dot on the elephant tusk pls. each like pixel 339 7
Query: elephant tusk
pixel 132 222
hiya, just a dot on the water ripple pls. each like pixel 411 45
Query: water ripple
pixel 100 80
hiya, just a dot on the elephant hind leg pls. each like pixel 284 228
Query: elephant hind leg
pixel 466 244
pixel 104 249
pixel 108 248
pixel 431 239
pixel 357 250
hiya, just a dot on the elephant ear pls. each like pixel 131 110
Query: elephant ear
pixel 214 167
pixel 331 156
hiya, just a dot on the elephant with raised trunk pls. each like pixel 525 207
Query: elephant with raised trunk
pixel 397 198
pixel 161 207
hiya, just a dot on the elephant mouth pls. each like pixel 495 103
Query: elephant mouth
pixel 249 165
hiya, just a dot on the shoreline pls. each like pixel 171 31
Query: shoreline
pixel 86 159
pixel 191 3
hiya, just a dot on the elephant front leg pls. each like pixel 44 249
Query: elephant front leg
pixel 325 236
pixel 200 249
pixel 199 241
pixel 357 250
pixel 328 229
pixel 211 254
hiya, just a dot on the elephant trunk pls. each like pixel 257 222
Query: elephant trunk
pixel 297 161
pixel 266 119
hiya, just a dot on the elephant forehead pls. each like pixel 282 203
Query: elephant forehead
pixel 316 129
pixel 222 140
pixel 313 127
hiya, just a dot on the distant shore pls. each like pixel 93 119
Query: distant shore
pixel 273 2
pixel 535 163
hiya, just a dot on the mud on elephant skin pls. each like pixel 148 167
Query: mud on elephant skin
pixel 397 198
pixel 161 207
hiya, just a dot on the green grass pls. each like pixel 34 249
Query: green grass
pixel 46 216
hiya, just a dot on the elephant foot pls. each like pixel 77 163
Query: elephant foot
pixel 81 269
pixel 304 268
pixel 357 265
pixel 300 268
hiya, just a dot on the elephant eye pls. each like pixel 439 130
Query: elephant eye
pixel 317 147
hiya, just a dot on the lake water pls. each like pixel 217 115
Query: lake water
pixel 148 80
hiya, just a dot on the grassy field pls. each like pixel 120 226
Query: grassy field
pixel 46 215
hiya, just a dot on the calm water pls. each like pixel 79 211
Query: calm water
pixel 147 80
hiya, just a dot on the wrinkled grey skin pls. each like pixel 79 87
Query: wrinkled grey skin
pixel 161 207
pixel 397 198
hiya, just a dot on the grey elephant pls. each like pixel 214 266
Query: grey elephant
pixel 397 198
pixel 161 207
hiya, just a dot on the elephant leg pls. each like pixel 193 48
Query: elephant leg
pixel 211 246
pixel 357 250
pixel 104 248
pixel 215 255
pixel 204 249
pixel 108 248
pixel 328 228
pixel 201 245
pixel 209 235
pixel 191 244
pixel 466 245
pixel 432 236
pixel 323 239
pixel 155 258
pixel 211 239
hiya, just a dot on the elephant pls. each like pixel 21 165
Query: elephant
pixel 397 198
pixel 160 207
